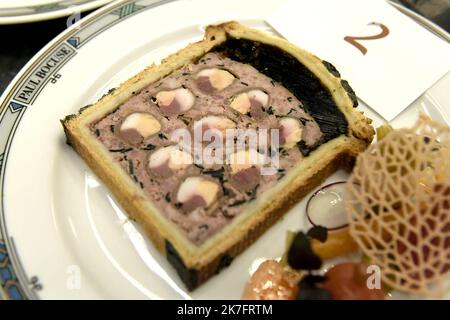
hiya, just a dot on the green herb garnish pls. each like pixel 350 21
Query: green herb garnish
pixel 225 191
pixel 198 166
pixel 162 136
pixel 237 203
pixel 130 167
pixel 252 193
pixel 123 150
pixel 149 147
pixel 218 174
pixel 303 121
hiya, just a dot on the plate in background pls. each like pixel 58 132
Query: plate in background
pixel 21 11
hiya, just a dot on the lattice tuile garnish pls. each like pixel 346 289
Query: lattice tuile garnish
pixel 398 207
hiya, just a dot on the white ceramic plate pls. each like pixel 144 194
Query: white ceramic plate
pixel 63 234
pixel 20 11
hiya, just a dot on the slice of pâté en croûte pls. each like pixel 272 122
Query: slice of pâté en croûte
pixel 202 216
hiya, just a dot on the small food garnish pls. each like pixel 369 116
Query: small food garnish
pixel 214 79
pixel 166 160
pixel 271 282
pixel 348 281
pixel 139 126
pixel 196 192
pixel 290 132
pixel 251 100
pixel 301 256
pixel 383 131
pixel 399 207
pixel 287 244
pixel 318 233
pixel 326 208
pixel 309 288
pixel 338 243
pixel 272 277
pixel 175 101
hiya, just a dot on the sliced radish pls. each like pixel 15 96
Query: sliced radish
pixel 326 207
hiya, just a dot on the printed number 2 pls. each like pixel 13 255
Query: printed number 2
pixel 353 40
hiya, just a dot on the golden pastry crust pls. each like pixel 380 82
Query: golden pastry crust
pixel 196 264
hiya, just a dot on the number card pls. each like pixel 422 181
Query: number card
pixel 388 58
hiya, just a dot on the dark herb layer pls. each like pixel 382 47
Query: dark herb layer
pixel 284 68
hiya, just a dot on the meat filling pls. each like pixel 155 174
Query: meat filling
pixel 215 93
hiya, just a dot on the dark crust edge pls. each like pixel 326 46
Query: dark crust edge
pixel 331 68
pixel 80 111
pixel 190 276
pixel 350 92
pixel 71 117
pixel 187 275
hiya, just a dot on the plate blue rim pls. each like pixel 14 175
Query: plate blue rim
pixel 38 12
pixel 23 91
pixel 15 284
